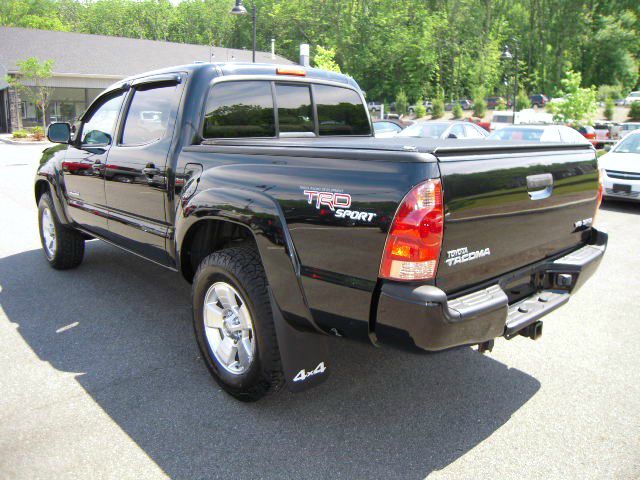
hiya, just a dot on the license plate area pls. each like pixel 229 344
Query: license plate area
pixel 618 187
pixel 519 288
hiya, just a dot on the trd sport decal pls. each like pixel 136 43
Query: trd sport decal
pixel 338 203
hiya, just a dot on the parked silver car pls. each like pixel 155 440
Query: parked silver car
pixel 443 129
pixel 539 133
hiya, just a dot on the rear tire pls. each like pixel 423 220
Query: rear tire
pixel 233 323
pixel 63 246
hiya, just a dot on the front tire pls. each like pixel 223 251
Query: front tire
pixel 233 323
pixel 63 246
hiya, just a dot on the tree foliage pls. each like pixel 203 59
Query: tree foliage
pixel 423 46
pixel 325 59
pixel 580 105
pixel 401 102
pixel 634 112
pixel 30 83
pixel 438 108
pixel 421 111
pixel 522 100
pixel 457 110
pixel 609 109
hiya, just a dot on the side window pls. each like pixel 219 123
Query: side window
pixel 240 109
pixel 148 114
pixel 458 131
pixel 473 132
pixel 294 108
pixel 99 127
pixel 340 111
pixel 550 135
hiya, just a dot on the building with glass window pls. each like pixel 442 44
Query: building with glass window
pixel 86 64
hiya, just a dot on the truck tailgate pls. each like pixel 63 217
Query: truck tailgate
pixel 507 208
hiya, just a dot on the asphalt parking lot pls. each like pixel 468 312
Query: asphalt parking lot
pixel 100 377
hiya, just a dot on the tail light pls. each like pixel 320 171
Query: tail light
pixel 415 237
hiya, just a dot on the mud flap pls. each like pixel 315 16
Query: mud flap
pixel 304 355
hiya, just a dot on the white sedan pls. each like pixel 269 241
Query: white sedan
pixel 620 169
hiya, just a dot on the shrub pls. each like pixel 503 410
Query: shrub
pixel 634 111
pixel 609 92
pixel 501 104
pixel 522 101
pixel 421 111
pixel 609 109
pixel 20 134
pixel 479 104
pixel 438 108
pixel 37 133
pixel 457 110
pixel 401 102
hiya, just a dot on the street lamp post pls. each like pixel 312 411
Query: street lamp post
pixel 239 9
pixel 506 55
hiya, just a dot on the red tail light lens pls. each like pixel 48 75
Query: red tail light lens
pixel 413 244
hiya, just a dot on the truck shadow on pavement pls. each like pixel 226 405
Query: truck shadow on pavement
pixel 620 206
pixel 383 413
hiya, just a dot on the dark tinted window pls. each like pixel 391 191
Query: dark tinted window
pixel 294 108
pixel 148 114
pixel 340 111
pixel 240 109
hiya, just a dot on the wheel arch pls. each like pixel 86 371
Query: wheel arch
pixel 255 218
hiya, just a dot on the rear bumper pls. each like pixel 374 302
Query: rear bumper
pixel 425 317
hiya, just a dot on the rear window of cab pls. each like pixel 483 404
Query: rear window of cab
pixel 268 109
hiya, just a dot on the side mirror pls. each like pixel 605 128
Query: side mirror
pixel 607 147
pixel 59 132
pixel 452 135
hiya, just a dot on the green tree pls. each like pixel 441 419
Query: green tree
pixel 421 111
pixel 522 100
pixel 325 59
pixel 457 110
pixel 33 71
pixel 401 102
pixel 580 105
pixel 606 92
pixel 479 103
pixel 634 112
pixel 438 108
pixel 609 109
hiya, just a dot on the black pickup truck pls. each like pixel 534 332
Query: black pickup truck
pixel 264 187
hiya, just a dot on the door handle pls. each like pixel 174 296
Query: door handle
pixel 540 186
pixel 151 170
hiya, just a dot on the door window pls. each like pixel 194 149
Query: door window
pixel 148 114
pixel 473 131
pixel 98 129
pixel 458 131
pixel 240 109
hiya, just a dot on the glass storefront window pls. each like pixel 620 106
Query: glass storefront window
pixel 66 105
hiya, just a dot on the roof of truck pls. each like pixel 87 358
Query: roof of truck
pixel 252 69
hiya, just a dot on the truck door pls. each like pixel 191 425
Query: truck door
pixel 136 177
pixel 85 160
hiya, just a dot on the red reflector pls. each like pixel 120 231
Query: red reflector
pixel 299 72
pixel 415 237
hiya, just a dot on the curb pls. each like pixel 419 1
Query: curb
pixel 14 142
